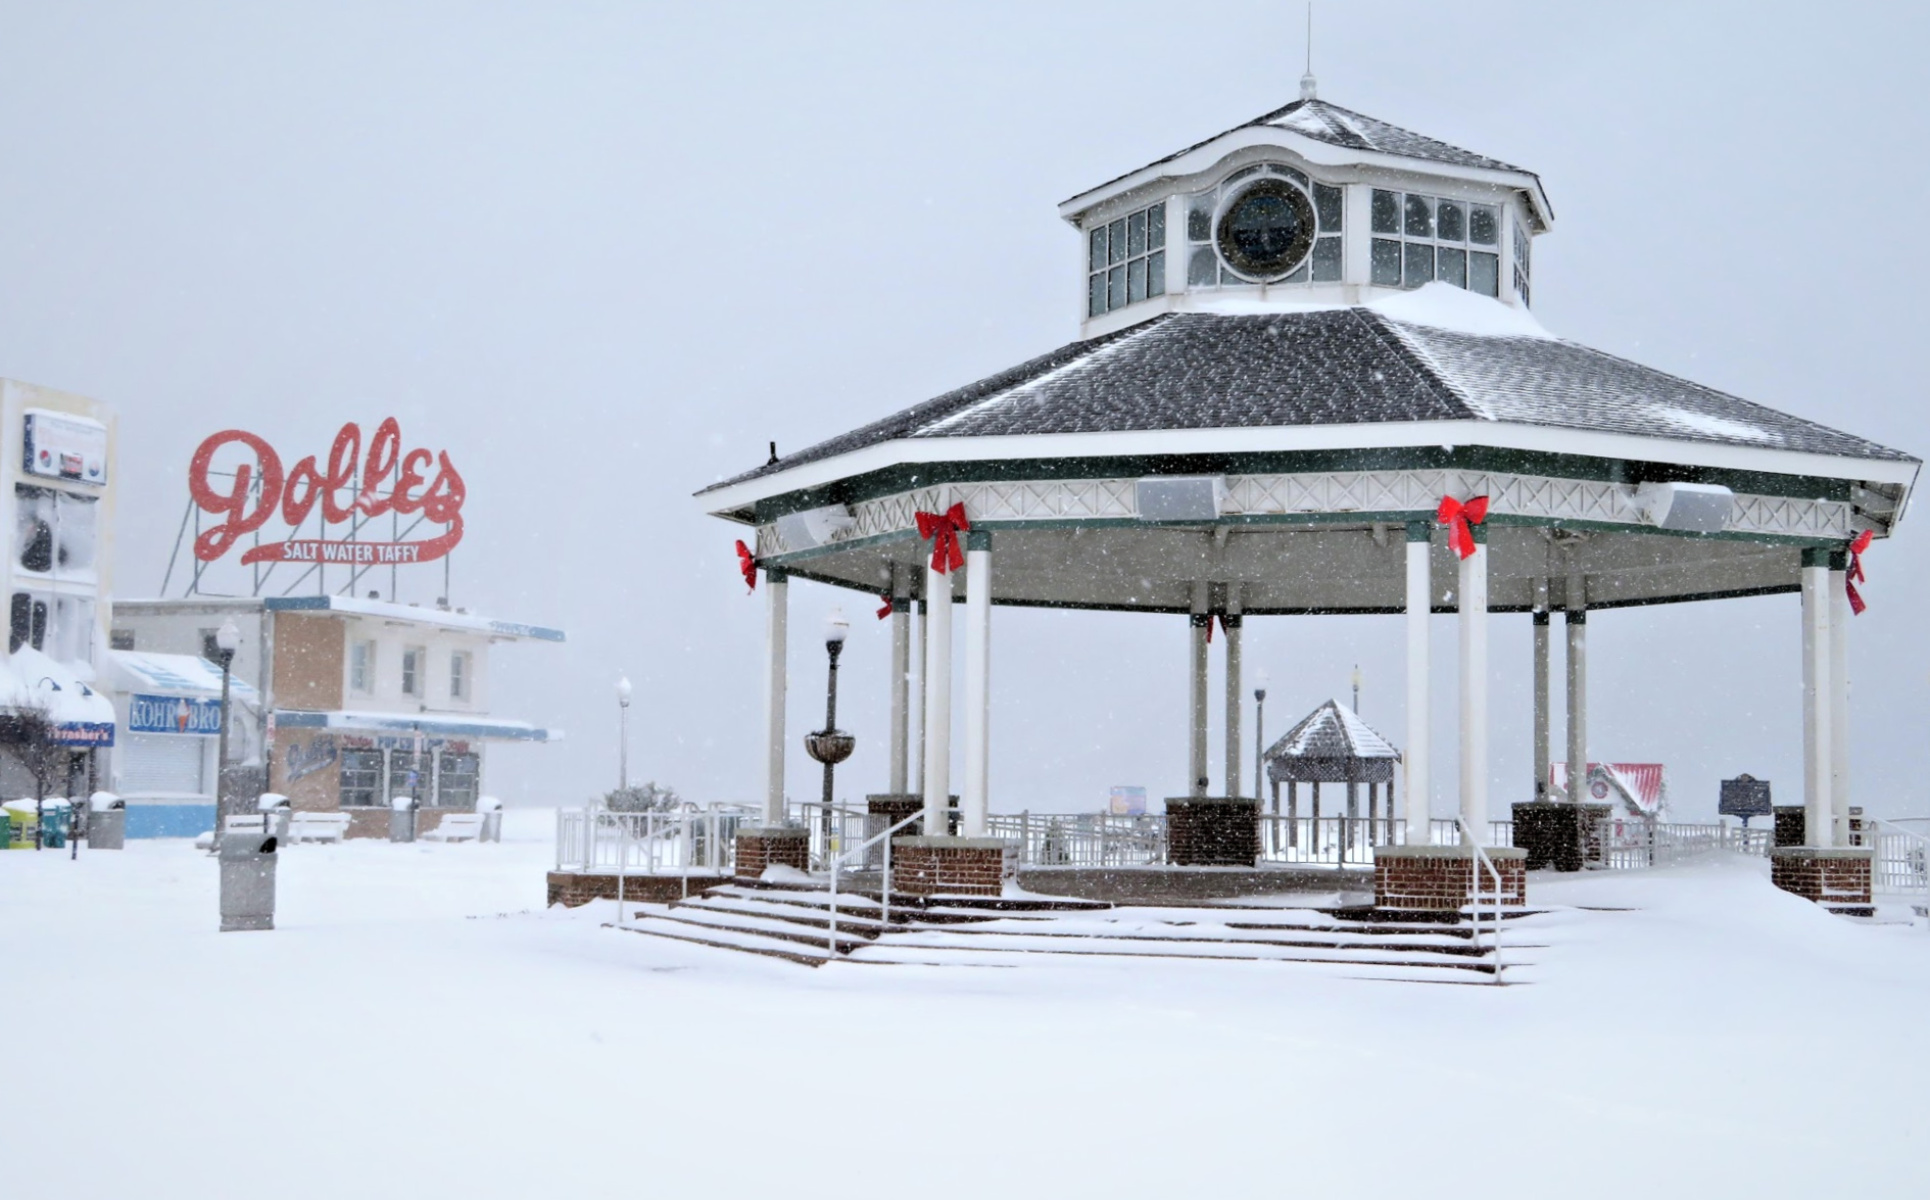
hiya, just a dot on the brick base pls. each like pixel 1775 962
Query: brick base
pixel 1214 831
pixel 1837 878
pixel 1443 878
pixel 761 848
pixel 1560 836
pixel 952 866
pixel 1791 825
pixel 573 888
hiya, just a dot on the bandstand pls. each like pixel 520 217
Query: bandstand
pixel 1306 383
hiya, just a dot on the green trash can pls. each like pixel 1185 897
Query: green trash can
pixel 56 823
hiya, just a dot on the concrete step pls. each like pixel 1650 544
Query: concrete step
pixel 724 939
pixel 1029 944
pixel 762 927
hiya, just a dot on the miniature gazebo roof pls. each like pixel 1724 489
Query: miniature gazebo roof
pixel 1331 744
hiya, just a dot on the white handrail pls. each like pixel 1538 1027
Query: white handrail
pixel 837 864
pixel 1481 857
pixel 1904 873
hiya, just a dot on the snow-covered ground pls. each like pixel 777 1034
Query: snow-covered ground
pixel 419 1026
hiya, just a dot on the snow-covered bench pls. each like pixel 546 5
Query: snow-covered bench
pixel 317 826
pixel 456 827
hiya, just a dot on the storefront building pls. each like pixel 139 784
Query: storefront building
pixel 57 451
pixel 360 700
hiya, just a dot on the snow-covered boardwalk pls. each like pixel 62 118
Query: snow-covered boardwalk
pixel 417 1025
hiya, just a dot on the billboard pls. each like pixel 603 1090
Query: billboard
pixel 64 446
pixel 173 714
pixel 1128 802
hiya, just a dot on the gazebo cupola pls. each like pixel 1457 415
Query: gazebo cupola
pixel 1311 202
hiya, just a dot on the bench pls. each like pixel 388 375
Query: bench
pixel 317 826
pixel 456 827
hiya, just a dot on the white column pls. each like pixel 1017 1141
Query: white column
pixel 1196 758
pixel 1472 600
pixel 938 701
pixel 1543 687
pixel 1839 703
pixel 900 779
pixel 975 802
pixel 1576 605
pixel 1415 765
pixel 1816 698
pixel 776 612
pixel 1234 750
pixel 918 701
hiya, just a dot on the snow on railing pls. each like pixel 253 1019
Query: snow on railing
pixel 1902 860
pixel 1629 843
pixel 1482 864
pixel 600 841
pixel 1083 839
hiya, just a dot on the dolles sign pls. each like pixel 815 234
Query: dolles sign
pixel 350 490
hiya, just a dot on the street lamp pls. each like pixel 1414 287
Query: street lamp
pixel 1357 689
pixel 1260 732
pixel 623 732
pixel 227 640
pixel 831 745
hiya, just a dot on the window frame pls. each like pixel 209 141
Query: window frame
pixel 461 674
pixel 361 666
pixel 1404 248
pixel 343 770
pixel 1126 260
pixel 415 671
pixel 1325 261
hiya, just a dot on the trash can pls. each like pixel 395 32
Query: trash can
pixel 56 821
pixel 106 821
pixel 20 825
pixel 492 815
pixel 247 880
pixel 276 812
pixel 402 819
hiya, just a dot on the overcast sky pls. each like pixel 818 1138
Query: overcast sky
pixel 602 253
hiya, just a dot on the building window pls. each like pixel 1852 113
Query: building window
pixel 1293 223
pixel 362 779
pixel 458 780
pixel 54 533
pixel 1418 239
pixel 459 675
pixel 414 659
pixel 1521 262
pixel 409 775
pixel 1126 260
pixel 361 667
pixel 62 627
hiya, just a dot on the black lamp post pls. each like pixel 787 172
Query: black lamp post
pixel 1260 737
pixel 831 745
pixel 227 640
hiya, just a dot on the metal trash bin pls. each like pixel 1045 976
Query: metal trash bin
pixel 402 819
pixel 56 822
pixel 276 812
pixel 247 880
pixel 492 815
pixel 106 822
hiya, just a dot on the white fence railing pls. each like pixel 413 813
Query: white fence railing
pixel 1902 866
pixel 597 840
pixel 1628 843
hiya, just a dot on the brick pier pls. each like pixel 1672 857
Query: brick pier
pixel 767 847
pixel 1837 878
pixel 954 866
pixel 1446 878
pixel 1212 831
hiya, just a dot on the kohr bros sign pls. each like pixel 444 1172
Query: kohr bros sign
pixel 353 489
pixel 173 714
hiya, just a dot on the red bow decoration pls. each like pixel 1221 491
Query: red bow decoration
pixel 747 563
pixel 1854 575
pixel 886 610
pixel 1210 618
pixel 1460 519
pixel 941 529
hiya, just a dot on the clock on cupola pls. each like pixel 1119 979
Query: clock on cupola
pixel 1308 202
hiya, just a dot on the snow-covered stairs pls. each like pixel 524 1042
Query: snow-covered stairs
pixel 793 921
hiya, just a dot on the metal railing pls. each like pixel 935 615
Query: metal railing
pixel 832 829
pixel 1627 843
pixel 1483 863
pixel 1082 839
pixel 649 843
pixel 1902 861
pixel 863 848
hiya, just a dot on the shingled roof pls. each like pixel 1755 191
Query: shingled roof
pixel 1332 745
pixel 1334 366
pixel 1350 130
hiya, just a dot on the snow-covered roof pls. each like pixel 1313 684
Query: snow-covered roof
pixel 415 614
pixel 32 679
pixel 1343 129
pixel 172 675
pixel 1332 731
pixel 1437 355
pixel 458 725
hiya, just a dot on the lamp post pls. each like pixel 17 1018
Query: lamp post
pixel 831 745
pixel 227 640
pixel 1357 689
pixel 623 732
pixel 1260 733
